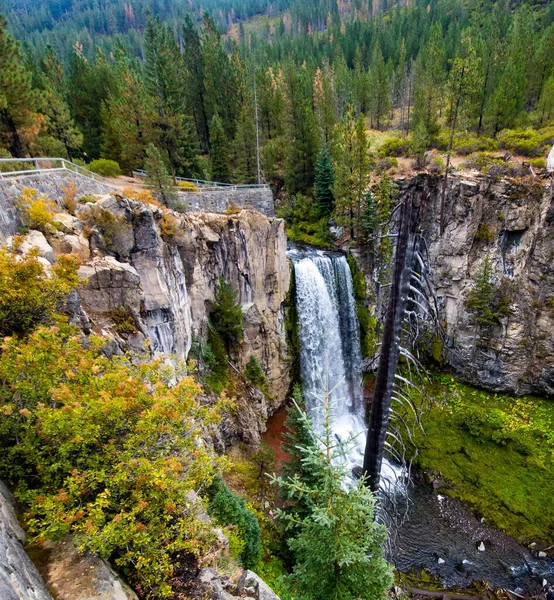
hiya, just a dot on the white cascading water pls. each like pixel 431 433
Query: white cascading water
pixel 330 357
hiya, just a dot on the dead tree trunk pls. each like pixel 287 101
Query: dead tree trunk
pixel 390 347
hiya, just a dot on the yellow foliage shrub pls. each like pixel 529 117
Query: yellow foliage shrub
pixel 187 186
pixel 233 208
pixel 144 196
pixel 36 211
pixel 168 226
pixel 69 193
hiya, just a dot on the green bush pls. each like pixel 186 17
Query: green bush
pixel 467 143
pixel 527 142
pixel 105 167
pixel 228 509
pixel 538 163
pixel 484 234
pixel 109 225
pixel 395 146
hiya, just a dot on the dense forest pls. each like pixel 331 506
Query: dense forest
pixel 287 96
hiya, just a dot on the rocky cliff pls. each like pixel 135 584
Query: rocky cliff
pixel 159 270
pixel 510 223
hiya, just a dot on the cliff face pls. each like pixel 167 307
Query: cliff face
pixel 512 224
pixel 165 281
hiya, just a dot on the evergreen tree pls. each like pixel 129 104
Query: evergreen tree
pixel 194 80
pixel 157 176
pixel 226 316
pixel 19 121
pixel 130 115
pixel 219 153
pixel 164 82
pixel 429 84
pixel 244 145
pixel 352 172
pixel 324 181
pixel 337 545
pixel 379 89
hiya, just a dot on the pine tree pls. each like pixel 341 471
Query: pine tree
pixel 324 181
pixel 352 172
pixel 164 82
pixel 129 115
pixel 18 101
pixel 194 80
pixel 380 88
pixel 157 176
pixel 219 153
pixel 429 84
pixel 337 545
pixel 244 145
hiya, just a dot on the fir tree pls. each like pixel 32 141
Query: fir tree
pixel 324 181
pixel 337 545
pixel 244 145
pixel 380 88
pixel 219 152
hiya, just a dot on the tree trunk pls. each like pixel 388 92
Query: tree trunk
pixel 390 348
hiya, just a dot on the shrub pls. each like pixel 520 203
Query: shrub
pixel 105 167
pixel 37 212
pixel 124 322
pixel 187 186
pixel 28 295
pixel 69 193
pixel 108 224
pixel 228 509
pixel 169 227
pixel 527 142
pixel 467 143
pixel 233 208
pixel 395 146
pixel 484 234
pixel 256 375
pixel 538 163
pixel 107 451
pixel 144 196
pixel 87 200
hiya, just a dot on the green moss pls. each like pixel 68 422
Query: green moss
pixel 496 453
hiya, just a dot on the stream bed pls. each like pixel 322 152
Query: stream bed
pixel 443 537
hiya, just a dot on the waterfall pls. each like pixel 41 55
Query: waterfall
pixel 330 356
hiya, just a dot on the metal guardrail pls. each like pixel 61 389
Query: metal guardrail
pixel 48 165
pixel 209 186
pixel 65 165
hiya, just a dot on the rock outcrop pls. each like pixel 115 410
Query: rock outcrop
pixel 511 224
pixel 73 575
pixel 163 282
pixel 249 586
pixel 19 578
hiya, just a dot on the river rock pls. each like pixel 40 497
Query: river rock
pixel 441 561
pixel 19 578
pixel 542 554
pixel 481 547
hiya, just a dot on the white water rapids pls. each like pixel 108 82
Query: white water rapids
pixel 330 357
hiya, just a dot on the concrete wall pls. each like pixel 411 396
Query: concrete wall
pixel 218 202
pixel 51 184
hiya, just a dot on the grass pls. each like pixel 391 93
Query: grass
pixel 496 453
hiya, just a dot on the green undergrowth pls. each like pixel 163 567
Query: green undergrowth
pixel 368 322
pixel 495 452
pixel 247 479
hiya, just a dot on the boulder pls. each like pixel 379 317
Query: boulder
pixel 36 239
pixel 19 578
pixel 76 576
pixel 250 581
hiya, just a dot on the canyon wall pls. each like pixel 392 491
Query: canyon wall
pixel 510 223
